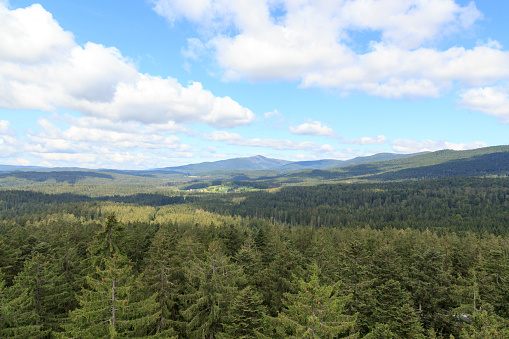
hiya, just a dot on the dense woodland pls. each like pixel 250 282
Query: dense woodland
pixel 421 259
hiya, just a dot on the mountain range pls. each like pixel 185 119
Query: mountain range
pixel 259 162
pixel 488 161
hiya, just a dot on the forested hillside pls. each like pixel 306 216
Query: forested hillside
pixel 424 259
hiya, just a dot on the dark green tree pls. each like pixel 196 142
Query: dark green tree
pixel 245 315
pixel 161 279
pixel 214 284
pixel 27 312
pixel 485 324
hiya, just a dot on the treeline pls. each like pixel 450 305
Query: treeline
pixel 71 177
pixel 18 204
pixel 200 275
pixel 442 205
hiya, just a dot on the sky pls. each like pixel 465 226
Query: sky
pixel 139 84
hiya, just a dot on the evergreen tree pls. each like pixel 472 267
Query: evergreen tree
pixel 214 283
pixel 161 279
pixel 392 307
pixel 107 308
pixel 485 324
pixel 106 241
pixel 315 311
pixel 245 315
pixel 381 331
pixel 27 312
pixel 249 258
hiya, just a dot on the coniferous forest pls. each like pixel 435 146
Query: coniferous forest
pixel 415 259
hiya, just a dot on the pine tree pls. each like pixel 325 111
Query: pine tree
pixel 315 311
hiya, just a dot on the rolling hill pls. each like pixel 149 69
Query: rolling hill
pixel 262 172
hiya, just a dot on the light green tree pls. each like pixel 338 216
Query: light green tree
pixel 315 311
pixel 107 308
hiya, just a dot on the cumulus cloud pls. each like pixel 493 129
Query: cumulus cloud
pixel 41 67
pixel 409 23
pixel 312 128
pixel 413 146
pixel 489 100
pixel 31 35
pixel 311 41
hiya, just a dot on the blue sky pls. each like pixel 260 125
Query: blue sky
pixel 155 83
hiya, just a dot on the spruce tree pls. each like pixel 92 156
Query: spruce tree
pixel 315 311
pixel 27 312
pixel 107 308
pixel 245 315
pixel 161 279
pixel 214 284
pixel 392 307
pixel 485 324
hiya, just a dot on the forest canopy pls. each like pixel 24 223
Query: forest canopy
pixel 417 259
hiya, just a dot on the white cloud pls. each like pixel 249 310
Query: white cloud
pixel 310 41
pixel 5 128
pixel 83 139
pixel 95 143
pixel 270 114
pixel 157 100
pixel 489 100
pixel 413 146
pixel 395 73
pixel 41 67
pixel 326 148
pixel 312 128
pixel 409 24
pixel 237 139
pixel 31 35
pixel 381 139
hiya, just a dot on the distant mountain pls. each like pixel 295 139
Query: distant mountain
pixel 237 164
pixel 259 162
pixel 275 172
pixel 331 163
pixel 445 163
